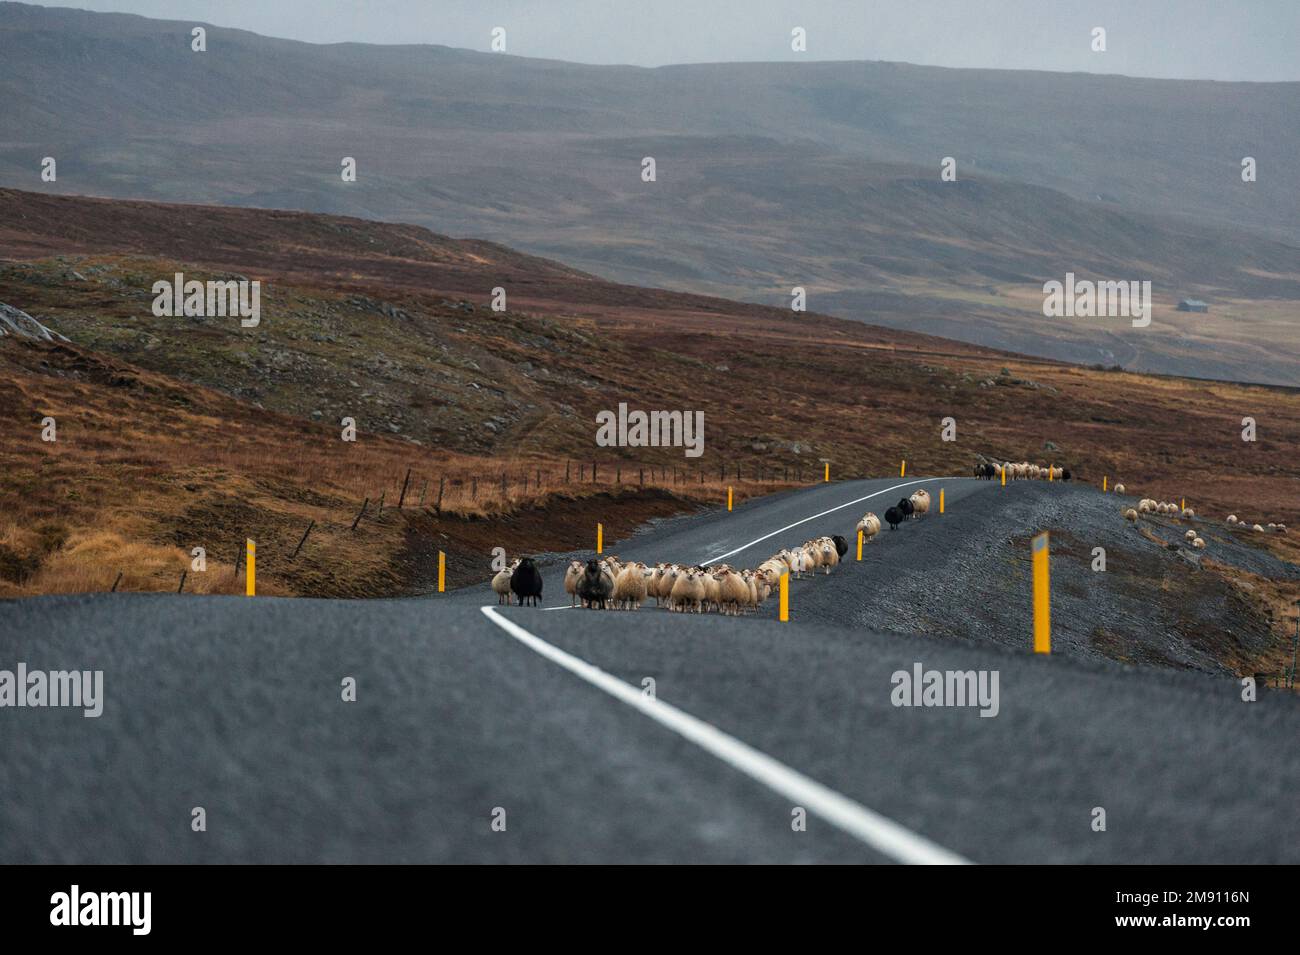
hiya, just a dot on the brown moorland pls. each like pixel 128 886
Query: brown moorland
pixel 175 433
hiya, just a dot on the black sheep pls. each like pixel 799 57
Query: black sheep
pixel 894 517
pixel 906 508
pixel 593 586
pixel 841 545
pixel 526 583
pixel 1065 475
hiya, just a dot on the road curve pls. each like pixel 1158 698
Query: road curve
pixel 235 705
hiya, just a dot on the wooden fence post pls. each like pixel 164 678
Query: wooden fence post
pixel 303 541
pixel 401 498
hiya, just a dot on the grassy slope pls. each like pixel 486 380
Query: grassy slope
pixel 146 467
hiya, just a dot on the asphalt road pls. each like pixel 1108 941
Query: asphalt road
pixel 235 705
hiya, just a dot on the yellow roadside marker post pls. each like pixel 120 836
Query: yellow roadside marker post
pixel 1104 479
pixel 940 500
pixel 1184 500
pixel 827 478
pixel 250 580
pixel 442 572
pixel 728 498
pixel 1049 473
pixel 785 597
pixel 902 468
pixel 859 545
pixel 600 538
pixel 1004 476
pixel 1042 597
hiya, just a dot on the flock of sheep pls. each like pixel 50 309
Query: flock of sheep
pixel 1170 509
pixel 609 583
pixel 1276 528
pixel 1167 508
pixel 1020 471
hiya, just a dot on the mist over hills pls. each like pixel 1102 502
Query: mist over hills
pixel 821 175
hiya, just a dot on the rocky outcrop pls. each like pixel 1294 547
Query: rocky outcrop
pixel 14 321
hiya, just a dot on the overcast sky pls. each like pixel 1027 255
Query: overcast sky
pixel 1196 39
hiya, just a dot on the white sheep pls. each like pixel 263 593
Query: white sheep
pixel 798 560
pixel 920 502
pixel 609 569
pixel 630 587
pixel 1190 535
pixel 828 554
pixel 772 569
pixel 572 574
pixel 1232 518
pixel 734 592
pixel 1198 543
pixel 501 583
pixel 1131 515
pixel 712 589
pixel 869 525
pixel 1119 488
pixel 688 592
pixel 664 587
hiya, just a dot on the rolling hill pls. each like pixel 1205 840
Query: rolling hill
pixel 770 176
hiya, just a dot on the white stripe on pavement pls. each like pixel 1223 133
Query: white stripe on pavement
pixel 870 827
pixel 859 500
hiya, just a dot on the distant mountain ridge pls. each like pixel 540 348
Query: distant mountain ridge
pixel 769 176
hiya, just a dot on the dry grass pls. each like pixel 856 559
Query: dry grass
pixel 143 471
pixel 1276 600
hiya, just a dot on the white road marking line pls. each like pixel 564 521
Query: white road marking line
pixel 711 560
pixel 877 831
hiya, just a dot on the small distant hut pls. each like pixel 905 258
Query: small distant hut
pixel 1192 305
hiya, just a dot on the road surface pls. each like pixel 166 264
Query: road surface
pixel 540 719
